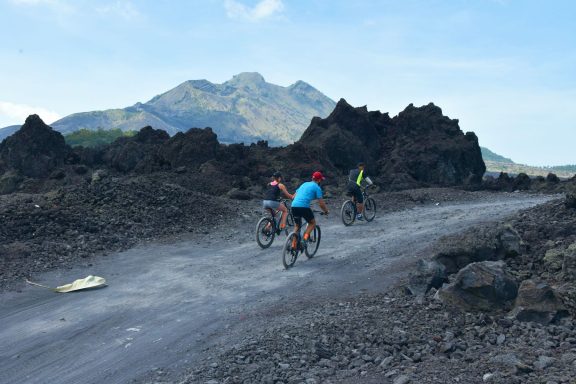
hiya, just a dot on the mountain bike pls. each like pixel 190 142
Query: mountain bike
pixel 269 226
pixel 296 245
pixel 349 210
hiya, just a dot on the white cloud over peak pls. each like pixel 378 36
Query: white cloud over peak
pixel 17 113
pixel 262 10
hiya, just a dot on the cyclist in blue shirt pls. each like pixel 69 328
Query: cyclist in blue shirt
pixel 301 204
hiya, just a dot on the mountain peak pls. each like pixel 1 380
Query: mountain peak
pixel 247 77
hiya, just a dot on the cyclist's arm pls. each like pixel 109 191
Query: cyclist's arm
pixel 285 191
pixel 322 205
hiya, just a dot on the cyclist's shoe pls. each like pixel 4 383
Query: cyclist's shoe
pixel 359 217
pixel 294 243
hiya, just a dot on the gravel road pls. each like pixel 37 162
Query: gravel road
pixel 168 306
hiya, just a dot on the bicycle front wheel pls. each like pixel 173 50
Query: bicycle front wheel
pixel 290 251
pixel 313 242
pixel 265 232
pixel 348 213
pixel 369 209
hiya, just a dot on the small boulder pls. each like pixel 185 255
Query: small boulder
pixel 537 302
pixel 480 286
pixel 429 274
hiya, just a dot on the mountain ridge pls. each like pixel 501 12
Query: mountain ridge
pixel 245 108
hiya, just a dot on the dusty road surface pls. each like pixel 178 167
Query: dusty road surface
pixel 166 306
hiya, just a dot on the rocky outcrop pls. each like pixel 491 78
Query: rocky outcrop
pixel 419 147
pixel 139 153
pixel 34 151
pixel 485 244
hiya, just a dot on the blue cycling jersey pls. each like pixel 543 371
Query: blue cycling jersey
pixel 305 194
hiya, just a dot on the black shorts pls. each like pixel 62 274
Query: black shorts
pixel 354 190
pixel 299 213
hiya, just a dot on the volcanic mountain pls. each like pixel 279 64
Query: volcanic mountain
pixel 243 109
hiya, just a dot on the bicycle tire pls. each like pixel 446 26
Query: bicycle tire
pixel 313 242
pixel 265 238
pixel 290 254
pixel 348 213
pixel 369 211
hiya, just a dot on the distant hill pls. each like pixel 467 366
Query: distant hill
pixel 243 109
pixel 488 155
pixel 496 163
pixel 7 131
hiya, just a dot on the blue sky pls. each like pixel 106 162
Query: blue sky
pixel 505 68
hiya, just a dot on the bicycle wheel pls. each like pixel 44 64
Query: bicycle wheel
pixel 369 209
pixel 313 242
pixel 265 232
pixel 348 213
pixel 290 253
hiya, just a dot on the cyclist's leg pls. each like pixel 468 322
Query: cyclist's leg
pixel 359 200
pixel 284 212
pixel 309 217
pixel 266 207
pixel 297 224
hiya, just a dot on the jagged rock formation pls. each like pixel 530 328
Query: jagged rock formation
pixel 243 109
pixel 419 147
pixel 35 150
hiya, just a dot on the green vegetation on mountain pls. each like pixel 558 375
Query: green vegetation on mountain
pixel 488 155
pixel 243 109
pixel 88 138
pixel 496 163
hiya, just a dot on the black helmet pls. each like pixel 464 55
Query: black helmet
pixel 276 175
pixel 360 164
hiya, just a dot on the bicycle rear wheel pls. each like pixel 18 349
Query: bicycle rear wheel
pixel 313 242
pixel 348 212
pixel 290 253
pixel 265 232
pixel 369 209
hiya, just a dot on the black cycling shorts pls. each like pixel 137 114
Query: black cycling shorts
pixel 354 190
pixel 299 213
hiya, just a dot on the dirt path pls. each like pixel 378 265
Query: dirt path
pixel 167 306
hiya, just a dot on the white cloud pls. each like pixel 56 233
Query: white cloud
pixel 17 113
pixel 262 10
pixel 124 9
pixel 33 2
